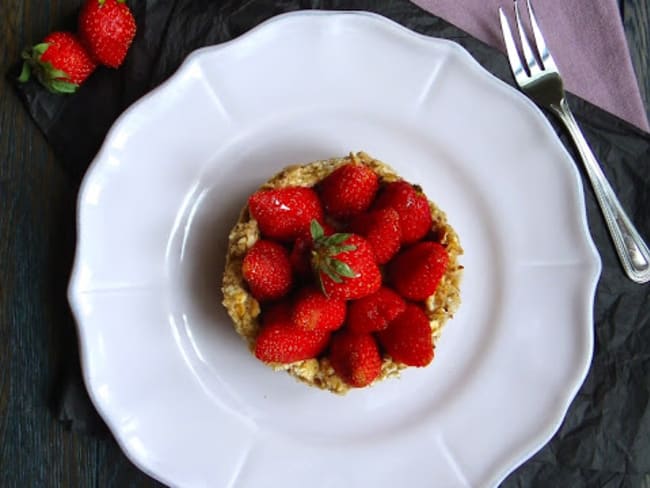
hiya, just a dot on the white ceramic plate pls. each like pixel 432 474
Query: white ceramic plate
pixel 180 392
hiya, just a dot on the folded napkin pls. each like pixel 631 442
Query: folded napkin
pixel 597 444
pixel 585 37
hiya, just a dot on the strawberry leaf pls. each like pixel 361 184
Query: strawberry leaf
pixel 39 49
pixel 324 252
pixel 334 277
pixel 335 250
pixel 60 86
pixel 25 73
pixel 56 73
pixel 336 239
pixel 343 269
pixel 316 230
pixel 329 270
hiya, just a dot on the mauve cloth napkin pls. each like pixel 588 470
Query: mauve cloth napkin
pixel 586 39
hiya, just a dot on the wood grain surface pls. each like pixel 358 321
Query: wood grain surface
pixel 36 242
pixel 37 202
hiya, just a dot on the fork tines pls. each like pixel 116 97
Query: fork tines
pixel 532 66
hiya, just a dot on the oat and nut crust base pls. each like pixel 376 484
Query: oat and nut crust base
pixel 245 310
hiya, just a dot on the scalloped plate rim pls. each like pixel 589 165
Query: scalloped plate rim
pixel 73 293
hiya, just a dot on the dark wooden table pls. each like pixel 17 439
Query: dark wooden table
pixel 37 449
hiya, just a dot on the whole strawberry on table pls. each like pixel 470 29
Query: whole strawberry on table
pixel 342 273
pixel 63 61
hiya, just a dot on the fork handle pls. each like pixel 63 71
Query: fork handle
pixel 632 251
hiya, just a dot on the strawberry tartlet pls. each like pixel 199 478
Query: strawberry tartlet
pixel 341 273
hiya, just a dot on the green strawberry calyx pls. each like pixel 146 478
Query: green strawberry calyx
pixel 55 80
pixel 324 252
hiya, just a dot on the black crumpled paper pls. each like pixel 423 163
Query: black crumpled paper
pixel 605 438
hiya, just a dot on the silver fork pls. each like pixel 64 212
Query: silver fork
pixel 541 81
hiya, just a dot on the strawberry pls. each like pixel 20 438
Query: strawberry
pixel 349 190
pixel 285 213
pixel 374 312
pixel 300 256
pixel 344 264
pixel 412 207
pixel 267 271
pixel 355 358
pixel 381 230
pixel 60 63
pixel 416 272
pixel 107 28
pixel 408 338
pixel 280 342
pixel 314 311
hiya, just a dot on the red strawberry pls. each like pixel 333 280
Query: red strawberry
pixel 408 338
pixel 355 358
pixel 374 312
pixel 381 230
pixel 345 265
pixel 60 63
pixel 285 213
pixel 107 28
pixel 280 342
pixel 300 256
pixel 416 272
pixel 349 190
pixel 412 207
pixel 314 311
pixel 267 270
